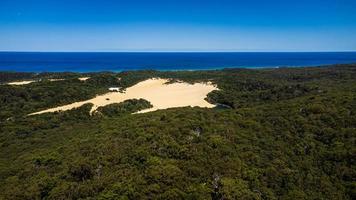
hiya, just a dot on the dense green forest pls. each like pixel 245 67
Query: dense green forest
pixel 286 133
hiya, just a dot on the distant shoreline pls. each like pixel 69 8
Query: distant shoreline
pixel 167 61
pixel 170 52
pixel 182 70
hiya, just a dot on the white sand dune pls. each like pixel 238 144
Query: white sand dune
pixel 51 79
pixel 83 78
pixel 56 79
pixel 156 91
pixel 28 82
pixel 20 82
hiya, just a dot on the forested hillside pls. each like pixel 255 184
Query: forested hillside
pixel 285 133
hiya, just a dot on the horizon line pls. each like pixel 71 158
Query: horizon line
pixel 344 51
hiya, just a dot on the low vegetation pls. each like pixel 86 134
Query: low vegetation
pixel 284 133
pixel 123 108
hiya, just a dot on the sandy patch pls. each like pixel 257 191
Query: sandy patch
pixel 20 82
pixel 83 78
pixel 161 96
pixel 57 79
pixel 28 82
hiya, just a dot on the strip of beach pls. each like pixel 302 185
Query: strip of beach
pixel 52 80
pixel 20 82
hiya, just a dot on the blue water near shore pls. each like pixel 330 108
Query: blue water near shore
pixel 92 62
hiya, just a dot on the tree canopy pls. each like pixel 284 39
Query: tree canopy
pixel 285 133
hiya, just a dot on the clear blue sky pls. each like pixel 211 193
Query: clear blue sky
pixel 180 25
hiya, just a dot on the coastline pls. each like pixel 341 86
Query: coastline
pixel 84 62
pixel 185 69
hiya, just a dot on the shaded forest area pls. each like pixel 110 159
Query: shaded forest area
pixel 285 133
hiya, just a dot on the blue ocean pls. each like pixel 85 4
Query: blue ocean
pixel 93 62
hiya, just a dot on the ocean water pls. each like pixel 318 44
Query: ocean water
pixel 92 62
